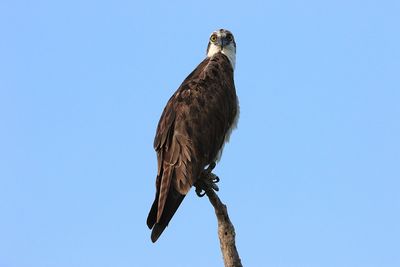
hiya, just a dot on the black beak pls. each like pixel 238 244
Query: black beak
pixel 224 42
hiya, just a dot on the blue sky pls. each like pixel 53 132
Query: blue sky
pixel 310 177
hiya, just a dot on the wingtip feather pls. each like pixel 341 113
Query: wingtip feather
pixel 157 231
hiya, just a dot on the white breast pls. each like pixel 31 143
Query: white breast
pixel 230 52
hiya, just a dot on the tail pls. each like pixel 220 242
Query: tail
pixel 174 199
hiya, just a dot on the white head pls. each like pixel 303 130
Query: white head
pixel 222 41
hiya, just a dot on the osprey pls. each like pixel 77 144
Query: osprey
pixel 196 122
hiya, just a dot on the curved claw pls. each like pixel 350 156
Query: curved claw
pixel 215 179
pixel 207 180
pixel 211 166
pixel 200 192
pixel 215 187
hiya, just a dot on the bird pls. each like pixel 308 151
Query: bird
pixel 195 124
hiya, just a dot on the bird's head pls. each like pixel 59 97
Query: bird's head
pixel 222 41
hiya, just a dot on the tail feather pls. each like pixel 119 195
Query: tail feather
pixel 164 189
pixel 172 203
pixel 152 217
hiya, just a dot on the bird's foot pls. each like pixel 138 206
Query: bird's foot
pixel 207 180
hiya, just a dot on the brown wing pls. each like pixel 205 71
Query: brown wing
pixel 189 135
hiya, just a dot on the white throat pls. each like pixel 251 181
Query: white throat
pixel 229 51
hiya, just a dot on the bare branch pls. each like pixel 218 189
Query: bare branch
pixel 226 231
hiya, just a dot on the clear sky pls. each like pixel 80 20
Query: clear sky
pixel 311 176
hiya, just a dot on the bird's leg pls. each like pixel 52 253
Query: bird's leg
pixel 207 180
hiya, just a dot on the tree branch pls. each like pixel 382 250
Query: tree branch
pixel 226 231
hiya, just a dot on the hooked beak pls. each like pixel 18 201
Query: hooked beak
pixel 223 42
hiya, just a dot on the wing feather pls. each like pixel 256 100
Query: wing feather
pixel 190 133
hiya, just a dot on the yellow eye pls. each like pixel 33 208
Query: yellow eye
pixel 213 38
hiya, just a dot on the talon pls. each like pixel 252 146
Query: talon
pixel 215 179
pixel 207 180
pixel 209 169
pixel 215 187
pixel 211 166
pixel 200 192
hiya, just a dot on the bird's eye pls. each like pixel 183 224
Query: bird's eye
pixel 213 38
pixel 230 38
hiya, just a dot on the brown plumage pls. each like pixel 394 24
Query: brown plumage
pixel 190 134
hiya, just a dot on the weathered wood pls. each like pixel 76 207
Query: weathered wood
pixel 226 231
